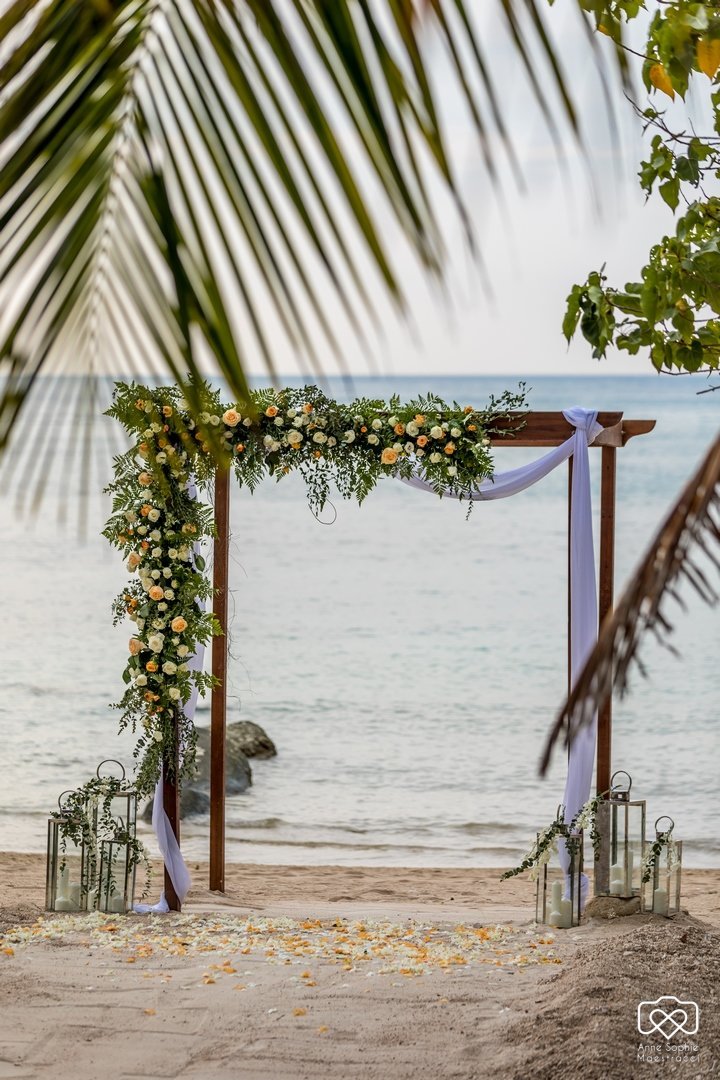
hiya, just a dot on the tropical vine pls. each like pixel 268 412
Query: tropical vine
pixel 570 831
pixel 160 526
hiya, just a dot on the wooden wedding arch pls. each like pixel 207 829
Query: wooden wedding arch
pixel 541 429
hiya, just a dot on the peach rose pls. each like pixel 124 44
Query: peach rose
pixel 134 560
pixel 468 409
pixel 156 593
pixel 145 479
pixel 178 625
pixel 167 410
pixel 399 429
pixel 472 427
pixel 272 410
pixel 135 646
pixel 450 448
pixel 239 448
pixel 388 456
pixel 419 420
pixel 145 510
pixel 140 404
pixel 422 440
pixel 151 665
pixel 232 418
pixel 143 449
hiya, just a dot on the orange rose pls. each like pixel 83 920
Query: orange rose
pixel 145 479
pixel 140 404
pixel 135 646
pixel 422 440
pixel 145 545
pixel 178 624
pixel 232 418
pixel 151 665
pixel 143 449
pixel 419 420
pixel 450 448
pixel 239 448
pixel 388 456
pixel 149 696
pixel 162 443
pixel 318 453
pixel 167 410
pixel 472 427
pixel 272 410
pixel 399 429
pixel 145 510
pixel 122 539
pixel 363 428
pixel 468 408
pixel 307 407
pixel 156 593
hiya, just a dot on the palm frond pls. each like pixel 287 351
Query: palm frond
pixel 690 531
pixel 186 184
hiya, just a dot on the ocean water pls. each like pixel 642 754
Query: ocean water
pixel 407 662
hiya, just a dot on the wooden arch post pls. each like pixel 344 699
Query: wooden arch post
pixel 540 429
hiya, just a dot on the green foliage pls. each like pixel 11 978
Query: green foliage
pixel 673 311
pixel 159 525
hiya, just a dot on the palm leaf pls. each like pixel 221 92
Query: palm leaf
pixel 691 529
pixel 188 183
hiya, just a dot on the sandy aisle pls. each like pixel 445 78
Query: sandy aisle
pixel 405 993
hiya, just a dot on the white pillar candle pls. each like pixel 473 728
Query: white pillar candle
pixel 660 902
pixel 629 872
pixel 616 887
pixel 117 904
pixel 565 914
pixel 74 894
pixel 556 895
pixel 555 919
pixel 64 903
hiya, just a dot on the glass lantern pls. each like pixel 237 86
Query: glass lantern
pixel 69 871
pixel 627 838
pixel 116 883
pixel 122 806
pixel 664 882
pixel 558 899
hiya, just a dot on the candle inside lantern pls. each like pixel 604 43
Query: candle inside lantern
pixel 565 914
pixel 628 872
pixel 74 894
pixel 617 879
pixel 117 903
pixel 556 895
pixel 660 902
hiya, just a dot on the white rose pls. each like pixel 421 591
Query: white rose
pixel 456 433
pixel 155 574
pixel 248 421
pixel 215 421
pixel 156 642
pixel 172 553
pixel 409 447
pixel 130 515
pixel 275 446
pixel 142 529
pixel 486 442
pixel 278 421
pixel 373 440
pixel 332 440
pixel 157 736
pixel 436 432
pixel 268 441
pixel 140 623
pixel 358 419
pixel 393 421
pixel 412 428
pixel 155 535
pixel 349 436
pixel 183 650
pixel 174 583
pixel 398 446
pixel 132 617
pixel 154 515
pixel 435 458
pixel 162 607
pixel 445 426
pixel 169 594
pixel 294 437
pixel 167 572
pixel 185 554
pixel 376 424
pixel 169 668
pixel 183 668
pixel 141 680
pixel 174 693
pixel 156 427
pixel 319 437
pixel 161 459
pixel 299 421
pixel 156 552
pixel 452 471
pixel 321 421
pixel 291 413
pixel 420 452
pixel 158 624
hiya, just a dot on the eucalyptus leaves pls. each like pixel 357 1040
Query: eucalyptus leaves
pixel 546 843
pixel 159 525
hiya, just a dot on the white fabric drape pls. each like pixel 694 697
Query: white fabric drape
pixel 583 589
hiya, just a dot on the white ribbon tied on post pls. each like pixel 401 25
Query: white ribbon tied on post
pixel 583 587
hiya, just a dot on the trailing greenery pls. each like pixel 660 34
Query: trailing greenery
pixel 673 308
pixel 160 526
pixel 86 818
pixel 653 853
pixel 570 831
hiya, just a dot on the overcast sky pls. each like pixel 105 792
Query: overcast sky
pixel 535 247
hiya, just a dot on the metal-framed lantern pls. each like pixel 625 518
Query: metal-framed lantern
pixel 115 828
pixel 69 869
pixel 627 838
pixel 558 898
pixel 665 857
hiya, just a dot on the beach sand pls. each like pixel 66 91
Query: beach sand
pixel 343 972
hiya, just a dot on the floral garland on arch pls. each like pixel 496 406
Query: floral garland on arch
pixel 160 526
